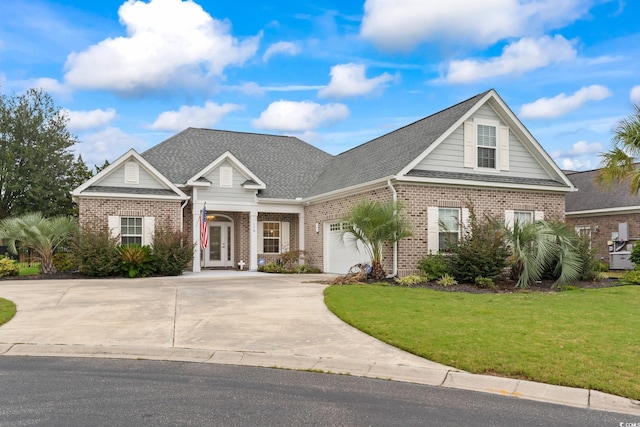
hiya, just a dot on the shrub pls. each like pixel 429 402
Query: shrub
pixel 482 251
pixel 447 280
pixel 290 259
pixel 136 260
pixel 272 267
pixel 305 268
pixel 96 252
pixel 434 266
pixel 485 282
pixel 590 266
pixel 631 277
pixel 410 280
pixel 8 267
pixel 172 251
pixel 635 256
pixel 64 261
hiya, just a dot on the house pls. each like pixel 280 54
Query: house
pixel 265 194
pixel 609 218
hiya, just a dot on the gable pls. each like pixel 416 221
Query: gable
pixel 130 176
pixel 228 183
pixel 450 156
pixel 123 176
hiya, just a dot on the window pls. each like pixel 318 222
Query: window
pixel 487 143
pixel 449 228
pixel 130 231
pixel 271 237
pixel 522 217
pixel 334 227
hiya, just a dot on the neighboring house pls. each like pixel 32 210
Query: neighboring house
pixel 267 194
pixel 609 218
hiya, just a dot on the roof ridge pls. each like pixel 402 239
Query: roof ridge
pixel 417 121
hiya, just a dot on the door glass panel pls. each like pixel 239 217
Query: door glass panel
pixel 215 252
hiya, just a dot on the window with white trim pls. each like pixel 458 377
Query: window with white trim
pixel 522 217
pixel 486 140
pixel 449 228
pixel 131 231
pixel 271 237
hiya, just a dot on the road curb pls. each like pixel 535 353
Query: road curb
pixel 507 387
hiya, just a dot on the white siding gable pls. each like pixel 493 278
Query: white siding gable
pixel 130 174
pixel 226 185
pixel 457 152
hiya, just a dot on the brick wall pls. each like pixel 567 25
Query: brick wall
pixel 602 227
pixel 292 244
pixel 416 199
pixel 332 210
pixel 97 211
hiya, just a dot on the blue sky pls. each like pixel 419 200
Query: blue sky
pixel 335 73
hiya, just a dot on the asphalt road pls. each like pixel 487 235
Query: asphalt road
pixel 106 392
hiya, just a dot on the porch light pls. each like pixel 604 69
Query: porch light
pixel 317 227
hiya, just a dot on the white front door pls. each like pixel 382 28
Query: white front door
pixel 219 253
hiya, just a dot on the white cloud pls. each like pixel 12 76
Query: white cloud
pixel 350 80
pixel 281 48
pixel 524 55
pixel 190 116
pixel 634 95
pixel 581 156
pixel 547 108
pixel 168 41
pixel 578 165
pixel 403 24
pixel 84 120
pixel 290 116
pixel 51 86
pixel 107 144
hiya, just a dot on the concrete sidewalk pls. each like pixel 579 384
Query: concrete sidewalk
pixel 237 318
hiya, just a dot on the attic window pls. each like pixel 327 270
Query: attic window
pixel 131 173
pixel 226 176
pixel 487 146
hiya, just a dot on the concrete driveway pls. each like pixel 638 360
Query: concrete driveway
pixel 235 318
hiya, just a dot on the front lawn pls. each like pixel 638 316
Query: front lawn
pixel 7 310
pixel 586 338
pixel 29 269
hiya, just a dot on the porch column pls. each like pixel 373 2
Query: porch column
pixel 301 259
pixel 253 241
pixel 196 241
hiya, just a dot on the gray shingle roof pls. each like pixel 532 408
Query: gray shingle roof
pixel 590 197
pixel 485 178
pixel 287 165
pixel 131 190
pixel 390 153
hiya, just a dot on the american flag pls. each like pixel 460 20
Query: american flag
pixel 204 229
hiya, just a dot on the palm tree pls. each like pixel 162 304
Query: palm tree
pixel 372 224
pixel 538 246
pixel 618 163
pixel 41 235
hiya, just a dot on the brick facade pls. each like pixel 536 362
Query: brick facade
pixel 416 199
pixel 97 211
pixel 603 226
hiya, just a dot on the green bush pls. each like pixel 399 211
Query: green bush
pixel 485 282
pixel 447 280
pixel 96 252
pixel 410 280
pixel 64 261
pixel 635 255
pixel 172 251
pixel 631 277
pixel 8 267
pixel 272 267
pixel 305 268
pixel 482 251
pixel 136 260
pixel 434 266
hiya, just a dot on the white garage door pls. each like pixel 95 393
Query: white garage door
pixel 340 256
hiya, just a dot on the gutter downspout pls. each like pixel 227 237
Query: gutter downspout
pixel 184 205
pixel 395 244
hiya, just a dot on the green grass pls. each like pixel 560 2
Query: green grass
pixel 29 269
pixel 582 338
pixel 7 310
